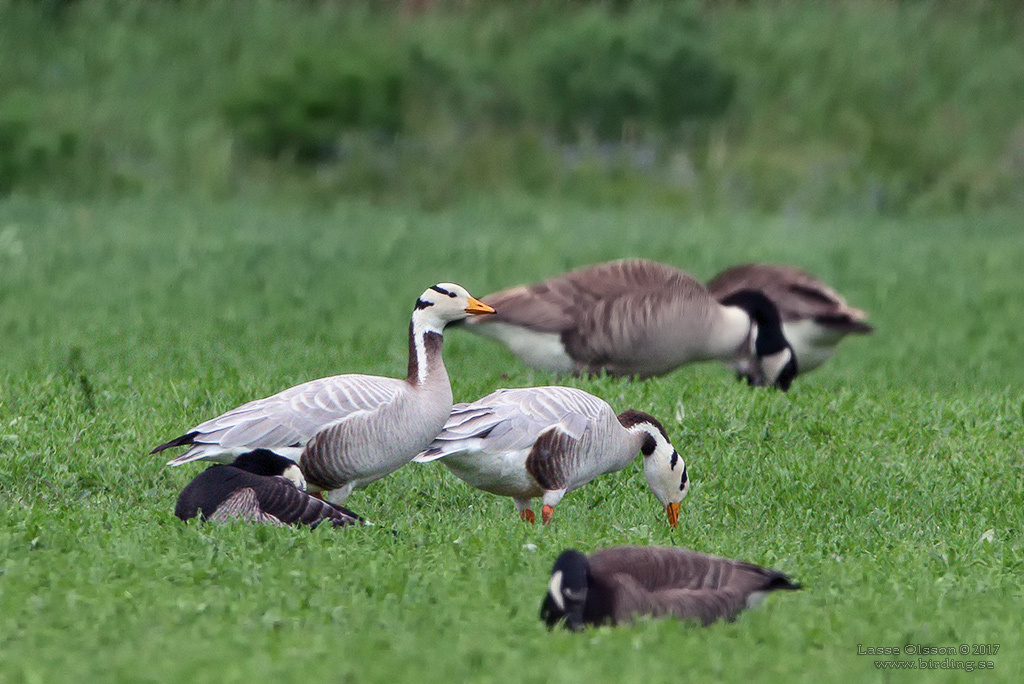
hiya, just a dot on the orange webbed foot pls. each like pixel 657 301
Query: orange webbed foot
pixel 546 513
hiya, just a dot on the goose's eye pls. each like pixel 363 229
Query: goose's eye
pixel 452 295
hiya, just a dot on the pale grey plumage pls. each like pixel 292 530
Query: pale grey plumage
pixel 547 441
pixel 815 318
pixel 289 418
pixel 512 419
pixel 346 431
pixel 631 317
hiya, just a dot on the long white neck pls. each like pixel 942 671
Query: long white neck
pixel 637 435
pixel 425 362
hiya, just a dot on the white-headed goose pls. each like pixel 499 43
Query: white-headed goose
pixel 637 318
pixel 261 487
pixel 547 441
pixel 346 431
pixel 814 316
pixel 616 585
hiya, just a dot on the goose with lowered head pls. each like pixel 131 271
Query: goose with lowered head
pixel 547 441
pixel 258 486
pixel 619 584
pixel 638 318
pixel 346 431
pixel 815 318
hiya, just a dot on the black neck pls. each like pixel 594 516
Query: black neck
pixel 763 312
pixel 431 346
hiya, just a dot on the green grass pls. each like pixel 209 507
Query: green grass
pixel 888 482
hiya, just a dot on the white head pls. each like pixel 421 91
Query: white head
pixel 664 468
pixel 445 303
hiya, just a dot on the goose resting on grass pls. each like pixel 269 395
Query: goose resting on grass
pixel 638 318
pixel 260 487
pixel 547 441
pixel 346 431
pixel 616 585
pixel 815 318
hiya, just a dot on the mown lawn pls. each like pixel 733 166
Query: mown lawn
pixel 888 482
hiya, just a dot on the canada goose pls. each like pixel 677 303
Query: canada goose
pixel 618 584
pixel 346 431
pixel 637 318
pixel 259 486
pixel 547 441
pixel 814 316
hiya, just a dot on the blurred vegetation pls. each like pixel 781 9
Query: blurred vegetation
pixel 878 106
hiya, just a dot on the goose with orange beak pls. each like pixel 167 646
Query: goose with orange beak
pixel 347 431
pixel 547 441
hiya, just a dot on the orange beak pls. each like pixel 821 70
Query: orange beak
pixel 672 510
pixel 478 307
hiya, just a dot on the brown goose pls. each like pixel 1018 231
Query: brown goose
pixel 815 318
pixel 261 487
pixel 615 585
pixel 637 318
pixel 346 431
pixel 547 441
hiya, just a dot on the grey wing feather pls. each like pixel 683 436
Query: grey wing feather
pixel 796 293
pixel 513 419
pixel 646 299
pixel 289 418
pixel 702 605
pixel 687 584
pixel 555 305
pixel 322 459
pixel 552 460
pixel 280 498
pixel 242 505
pixel 537 307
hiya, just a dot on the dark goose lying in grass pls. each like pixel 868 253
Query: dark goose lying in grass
pixel 815 318
pixel 547 441
pixel 618 584
pixel 259 487
pixel 637 318
pixel 347 431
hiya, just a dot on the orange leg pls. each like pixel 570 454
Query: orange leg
pixel 546 513
pixel 527 515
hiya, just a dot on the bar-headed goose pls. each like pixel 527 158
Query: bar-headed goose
pixel 815 318
pixel 637 318
pixel 616 585
pixel 346 431
pixel 261 487
pixel 547 441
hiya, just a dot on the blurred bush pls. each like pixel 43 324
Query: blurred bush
pixel 648 69
pixel 302 113
pixel 775 106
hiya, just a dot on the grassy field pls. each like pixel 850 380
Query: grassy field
pixel 887 482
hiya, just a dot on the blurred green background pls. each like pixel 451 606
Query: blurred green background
pixel 787 105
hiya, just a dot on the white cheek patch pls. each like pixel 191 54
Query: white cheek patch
pixel 295 475
pixel 555 590
pixel 772 364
